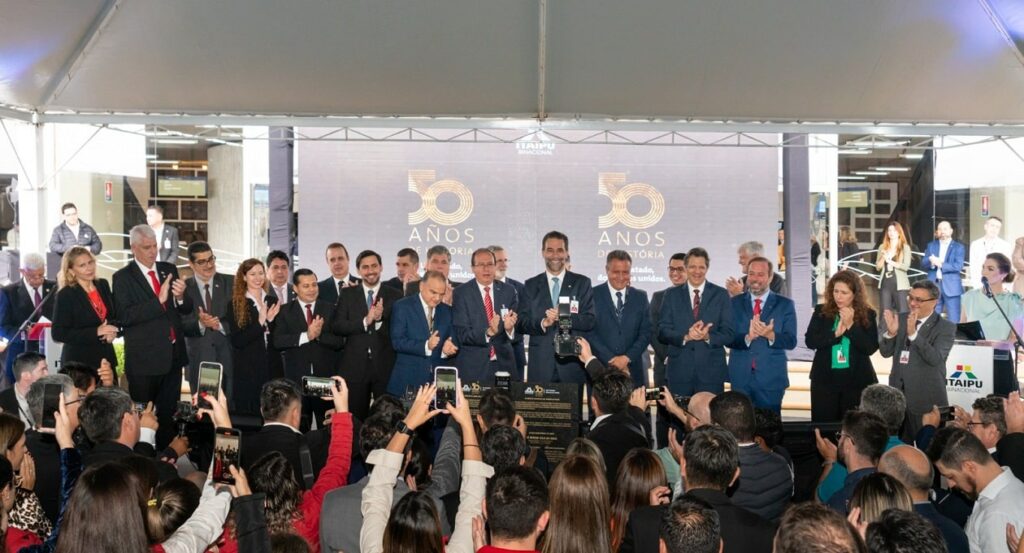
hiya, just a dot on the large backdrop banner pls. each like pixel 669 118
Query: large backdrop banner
pixel 649 200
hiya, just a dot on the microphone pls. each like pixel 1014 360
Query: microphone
pixel 984 284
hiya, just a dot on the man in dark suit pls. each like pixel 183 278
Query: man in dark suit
pixel 484 321
pixel 281 407
pixel 337 262
pixel 20 300
pixel 303 333
pixel 623 329
pixel 439 258
pixel 407 264
pixel 501 275
pixel 539 313
pixel 278 267
pixel 205 337
pixel 28 368
pixel 421 334
pixel 696 322
pixel 117 430
pixel 620 423
pixel 918 350
pixel 746 252
pixel 363 318
pixel 765 325
pixel 710 465
pixel 166 235
pixel 676 276
pixel 944 260
pixel 150 301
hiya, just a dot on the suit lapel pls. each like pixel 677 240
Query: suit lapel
pixel 140 278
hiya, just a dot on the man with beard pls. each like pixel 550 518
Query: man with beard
pixel 860 444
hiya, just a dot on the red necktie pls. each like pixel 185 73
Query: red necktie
pixel 156 288
pixel 309 314
pixel 696 305
pixel 489 310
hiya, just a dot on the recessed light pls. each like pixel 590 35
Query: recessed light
pixel 858 152
pixel 912 156
pixel 870 173
pixel 890 168
pixel 848 177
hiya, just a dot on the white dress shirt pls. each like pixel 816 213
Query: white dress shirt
pixel 304 337
pixel 376 295
pixel 1001 502
pixel 943 250
pixel 497 308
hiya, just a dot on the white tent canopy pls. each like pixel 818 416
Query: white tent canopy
pixel 900 61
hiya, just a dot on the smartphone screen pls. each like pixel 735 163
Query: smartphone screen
pixel 317 386
pixel 226 446
pixel 51 404
pixel 445 378
pixel 209 382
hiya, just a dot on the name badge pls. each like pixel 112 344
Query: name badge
pixel 574 307
pixel 504 312
pixel 904 357
pixel 167 244
pixel 840 358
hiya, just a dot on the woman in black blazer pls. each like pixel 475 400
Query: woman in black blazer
pixel 84 312
pixel 250 316
pixel 844 335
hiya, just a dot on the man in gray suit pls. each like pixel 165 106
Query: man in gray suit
pixel 166 235
pixel 205 333
pixel 918 350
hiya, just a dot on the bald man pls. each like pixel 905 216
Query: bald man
pixel 910 466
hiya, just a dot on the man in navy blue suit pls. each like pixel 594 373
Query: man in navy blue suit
pixel 501 275
pixel 539 316
pixel 484 321
pixel 421 334
pixel 944 259
pixel 623 329
pixel 765 329
pixel 696 323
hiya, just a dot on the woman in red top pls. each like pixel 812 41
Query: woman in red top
pixel 289 509
pixel 84 318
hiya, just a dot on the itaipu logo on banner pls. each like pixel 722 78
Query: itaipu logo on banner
pixel 442 226
pixel 962 379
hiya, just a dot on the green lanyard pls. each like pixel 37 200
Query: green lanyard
pixel 840 351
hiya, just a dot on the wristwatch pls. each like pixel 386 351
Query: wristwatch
pixel 404 429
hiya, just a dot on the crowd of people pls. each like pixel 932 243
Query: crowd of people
pixel 380 464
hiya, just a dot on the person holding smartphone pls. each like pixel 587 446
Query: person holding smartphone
pixel 85 312
pixel 250 319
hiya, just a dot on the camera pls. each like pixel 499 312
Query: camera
pixel 565 343
pixel 185 412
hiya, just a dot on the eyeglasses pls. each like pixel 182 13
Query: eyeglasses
pixel 67 403
pixel 840 435
pixel 676 269
pixel 484 265
pixel 915 299
pixel 205 262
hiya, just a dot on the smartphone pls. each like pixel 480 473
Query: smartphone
pixel 946 413
pixel 652 394
pixel 210 375
pixel 446 379
pixel 140 406
pixel 51 404
pixel 226 447
pixel 503 381
pixel 318 386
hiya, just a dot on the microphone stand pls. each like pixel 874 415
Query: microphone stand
pixel 24 325
pixel 1018 343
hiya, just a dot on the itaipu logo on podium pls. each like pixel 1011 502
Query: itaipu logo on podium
pixel 424 182
pixel 962 377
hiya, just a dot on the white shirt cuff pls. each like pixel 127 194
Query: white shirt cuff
pixel 147 435
pixel 303 339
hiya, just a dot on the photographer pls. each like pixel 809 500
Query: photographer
pixel 619 423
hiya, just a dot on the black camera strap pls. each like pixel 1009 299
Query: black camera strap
pixel 307 464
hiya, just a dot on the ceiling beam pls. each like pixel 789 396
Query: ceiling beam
pixel 62 77
pixel 8 113
pixel 542 60
pixel 1015 41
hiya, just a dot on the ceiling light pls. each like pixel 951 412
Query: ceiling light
pixel 870 173
pixel 163 162
pixel 890 168
pixel 175 166
pixel 912 156
pixel 176 141
pixel 858 152
pixel 150 156
pixel 848 177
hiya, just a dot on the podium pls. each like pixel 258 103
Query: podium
pixel 976 369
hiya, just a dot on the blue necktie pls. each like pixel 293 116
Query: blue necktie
pixel 369 299
pixel 555 292
pixel 618 305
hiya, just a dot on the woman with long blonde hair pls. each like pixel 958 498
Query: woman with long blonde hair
pixel 250 319
pixel 83 317
pixel 892 262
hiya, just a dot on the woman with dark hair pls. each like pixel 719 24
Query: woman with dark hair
pixel 84 311
pixel 977 306
pixel 288 508
pixel 893 262
pixel 105 492
pixel 27 515
pixel 844 334
pixel 414 526
pixel 640 481
pixel 172 504
pixel 249 318
pixel 571 529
